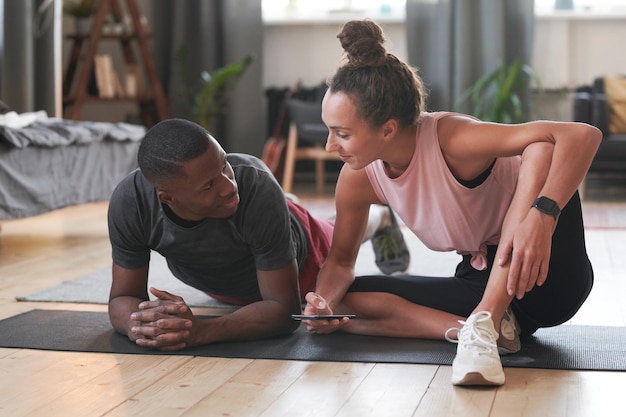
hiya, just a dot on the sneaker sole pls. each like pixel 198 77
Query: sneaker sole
pixel 476 378
pixel 508 346
pixel 508 351
pixel 400 264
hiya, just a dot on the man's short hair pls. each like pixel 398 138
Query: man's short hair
pixel 167 146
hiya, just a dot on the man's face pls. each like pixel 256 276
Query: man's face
pixel 207 188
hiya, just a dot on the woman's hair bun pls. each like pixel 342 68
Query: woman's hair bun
pixel 363 40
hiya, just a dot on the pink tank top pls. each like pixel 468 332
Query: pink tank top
pixel 443 214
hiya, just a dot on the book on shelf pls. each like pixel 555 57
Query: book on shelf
pixel 107 79
pixel 119 90
pixel 103 65
pixel 132 80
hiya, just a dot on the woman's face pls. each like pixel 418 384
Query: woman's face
pixel 353 138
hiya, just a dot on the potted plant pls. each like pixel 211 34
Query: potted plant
pixel 212 96
pixel 499 95
pixel 81 11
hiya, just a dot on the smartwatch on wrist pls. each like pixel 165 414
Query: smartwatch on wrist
pixel 548 206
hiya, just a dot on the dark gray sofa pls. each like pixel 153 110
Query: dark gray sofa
pixel 591 106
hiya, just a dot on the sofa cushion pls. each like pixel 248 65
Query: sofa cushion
pixel 591 106
pixel 615 90
pixel 611 155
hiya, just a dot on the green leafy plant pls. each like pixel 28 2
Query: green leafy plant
pixel 498 96
pixel 81 8
pixel 214 91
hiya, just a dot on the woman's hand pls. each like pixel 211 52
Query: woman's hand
pixel 529 253
pixel 316 305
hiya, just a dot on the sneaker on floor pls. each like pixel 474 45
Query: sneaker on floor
pixel 477 361
pixel 508 341
pixel 392 254
pixel 509 338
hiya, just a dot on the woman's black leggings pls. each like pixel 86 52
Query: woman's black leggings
pixel 569 282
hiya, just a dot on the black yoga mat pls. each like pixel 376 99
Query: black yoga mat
pixel 561 347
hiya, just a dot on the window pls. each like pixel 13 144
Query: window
pixel 583 5
pixel 381 8
pixel 334 5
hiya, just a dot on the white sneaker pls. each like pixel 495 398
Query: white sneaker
pixel 477 361
pixel 509 341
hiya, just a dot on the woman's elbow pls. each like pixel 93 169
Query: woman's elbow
pixel 593 136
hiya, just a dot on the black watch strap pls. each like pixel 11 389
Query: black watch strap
pixel 548 206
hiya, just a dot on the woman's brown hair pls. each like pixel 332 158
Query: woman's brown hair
pixel 382 86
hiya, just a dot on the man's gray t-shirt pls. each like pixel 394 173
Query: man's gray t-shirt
pixel 219 256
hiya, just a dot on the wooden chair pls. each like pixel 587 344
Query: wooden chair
pixel 306 140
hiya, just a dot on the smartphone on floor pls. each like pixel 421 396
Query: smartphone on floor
pixel 321 316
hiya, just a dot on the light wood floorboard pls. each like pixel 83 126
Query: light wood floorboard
pixel 43 251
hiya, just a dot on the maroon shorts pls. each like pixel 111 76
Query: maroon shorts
pixel 319 235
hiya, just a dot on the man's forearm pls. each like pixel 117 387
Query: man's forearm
pixel 254 321
pixel 120 309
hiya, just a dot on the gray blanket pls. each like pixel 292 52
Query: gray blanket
pixel 61 132
pixel 56 163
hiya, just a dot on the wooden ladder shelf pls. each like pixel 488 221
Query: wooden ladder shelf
pixel 150 103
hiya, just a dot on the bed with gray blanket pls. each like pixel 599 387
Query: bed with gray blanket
pixel 52 163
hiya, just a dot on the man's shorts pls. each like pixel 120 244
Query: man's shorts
pixel 319 237
pixel 319 234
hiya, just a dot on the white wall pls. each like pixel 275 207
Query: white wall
pixel 311 52
pixel 571 49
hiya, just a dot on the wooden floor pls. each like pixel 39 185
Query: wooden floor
pixel 43 251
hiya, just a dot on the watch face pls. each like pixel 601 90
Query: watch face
pixel 546 204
